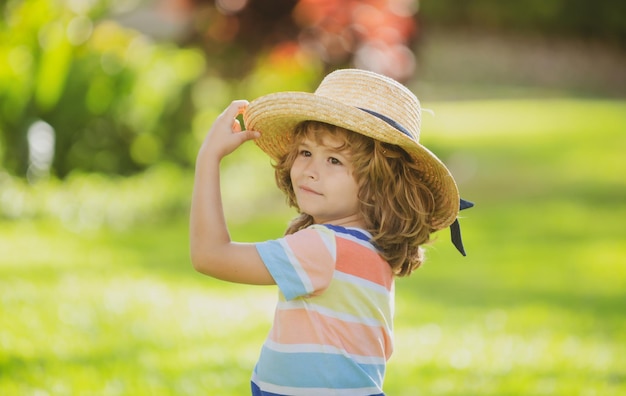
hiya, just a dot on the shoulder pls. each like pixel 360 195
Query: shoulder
pixel 315 235
pixel 302 263
pixel 351 235
pixel 321 239
pixel 312 242
pixel 357 256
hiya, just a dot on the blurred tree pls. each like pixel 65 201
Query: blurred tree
pixel 119 95
pixel 112 96
pixel 123 84
pixel 371 34
pixel 594 20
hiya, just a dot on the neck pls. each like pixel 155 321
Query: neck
pixel 352 221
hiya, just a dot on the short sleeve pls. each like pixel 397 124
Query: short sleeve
pixel 303 263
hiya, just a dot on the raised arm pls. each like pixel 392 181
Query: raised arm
pixel 212 251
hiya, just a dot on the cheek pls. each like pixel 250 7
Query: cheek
pixel 296 168
pixel 349 185
pixel 356 190
pixel 293 172
pixel 355 193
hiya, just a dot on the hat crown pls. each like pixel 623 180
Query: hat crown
pixel 363 102
pixel 374 93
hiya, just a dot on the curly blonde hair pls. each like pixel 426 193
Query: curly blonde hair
pixel 394 202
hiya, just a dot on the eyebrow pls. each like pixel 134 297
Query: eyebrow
pixel 337 149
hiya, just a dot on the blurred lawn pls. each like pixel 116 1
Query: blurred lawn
pixel 537 308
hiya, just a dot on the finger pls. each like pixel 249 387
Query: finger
pixel 236 126
pixel 248 135
pixel 235 108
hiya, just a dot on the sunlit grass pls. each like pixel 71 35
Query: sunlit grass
pixel 96 314
pixel 537 307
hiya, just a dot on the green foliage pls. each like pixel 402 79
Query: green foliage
pixel 599 20
pixel 117 101
pixel 536 308
pixel 120 102
pixel 93 201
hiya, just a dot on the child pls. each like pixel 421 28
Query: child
pixel 368 196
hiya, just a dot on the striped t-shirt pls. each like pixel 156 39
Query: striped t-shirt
pixel 332 331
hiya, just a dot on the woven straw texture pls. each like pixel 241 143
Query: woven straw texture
pixel 339 100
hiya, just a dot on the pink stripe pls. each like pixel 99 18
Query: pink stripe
pixel 351 258
pixel 310 327
pixel 314 257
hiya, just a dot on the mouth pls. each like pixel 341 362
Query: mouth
pixel 308 190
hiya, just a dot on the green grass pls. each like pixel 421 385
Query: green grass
pixel 537 308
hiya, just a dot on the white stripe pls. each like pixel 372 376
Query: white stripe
pixel 288 390
pixel 328 238
pixel 357 280
pixel 303 304
pixel 304 277
pixel 367 244
pixel 350 237
pixel 325 349
pixel 361 242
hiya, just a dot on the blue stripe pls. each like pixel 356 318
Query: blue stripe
pixel 256 391
pixel 350 231
pixel 275 259
pixel 315 369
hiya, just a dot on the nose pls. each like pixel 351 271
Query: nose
pixel 311 169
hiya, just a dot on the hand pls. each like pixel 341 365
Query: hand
pixel 225 136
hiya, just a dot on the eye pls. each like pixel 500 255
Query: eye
pixel 334 161
pixel 305 153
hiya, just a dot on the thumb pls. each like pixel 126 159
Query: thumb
pixel 248 135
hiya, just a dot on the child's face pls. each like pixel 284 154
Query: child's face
pixel 323 183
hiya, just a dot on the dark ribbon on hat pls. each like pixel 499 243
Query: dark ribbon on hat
pixel 389 121
pixel 455 228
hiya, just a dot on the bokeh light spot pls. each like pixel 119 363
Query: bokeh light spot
pixel 20 59
pixel 145 149
pixel 41 140
pixel 50 35
pixel 229 7
pixel 79 30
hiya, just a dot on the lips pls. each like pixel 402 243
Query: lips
pixel 308 190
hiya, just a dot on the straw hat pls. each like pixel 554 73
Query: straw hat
pixel 363 102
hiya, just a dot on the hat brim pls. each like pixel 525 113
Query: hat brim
pixel 276 115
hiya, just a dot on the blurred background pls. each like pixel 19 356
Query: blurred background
pixel 103 106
